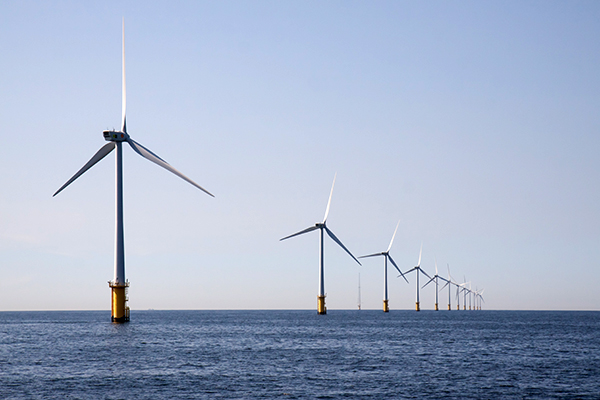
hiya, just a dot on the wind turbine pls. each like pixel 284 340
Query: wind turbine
pixel 418 269
pixel 464 290
pixel 119 285
pixel 449 283
pixel 470 296
pixel 480 297
pixel 386 255
pixel 321 309
pixel 436 277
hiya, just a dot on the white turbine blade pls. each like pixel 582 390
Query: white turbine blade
pixel 312 228
pixel 436 271
pixel 100 154
pixel 335 239
pixel 373 255
pixel 410 270
pixel 147 154
pixel 393 236
pixel 329 202
pixel 428 282
pixel 449 276
pixel 447 283
pixel 124 99
pixel 420 252
pixel 396 266
pixel 425 273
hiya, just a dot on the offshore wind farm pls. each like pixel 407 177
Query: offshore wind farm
pixel 483 165
pixel 472 125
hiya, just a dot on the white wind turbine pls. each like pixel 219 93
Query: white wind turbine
pixel 386 255
pixel 480 297
pixel 321 309
pixel 119 309
pixel 418 269
pixel 435 278
pixel 449 283
pixel 465 291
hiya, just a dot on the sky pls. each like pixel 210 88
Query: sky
pixel 474 124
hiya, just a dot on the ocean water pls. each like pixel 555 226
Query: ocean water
pixel 300 355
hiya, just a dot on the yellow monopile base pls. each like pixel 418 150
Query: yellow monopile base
pixel 321 309
pixel 386 307
pixel 469 308
pixel 119 309
pixel 449 309
pixel 457 307
pixel 418 308
pixel 436 307
pixel 464 308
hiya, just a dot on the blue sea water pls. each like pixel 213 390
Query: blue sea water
pixel 300 355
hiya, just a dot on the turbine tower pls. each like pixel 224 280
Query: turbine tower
pixel 418 269
pixel 386 255
pixel 119 285
pixel 321 309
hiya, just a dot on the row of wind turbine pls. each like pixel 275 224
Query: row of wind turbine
pixel 322 226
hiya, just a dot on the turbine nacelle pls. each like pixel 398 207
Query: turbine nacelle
pixel 115 136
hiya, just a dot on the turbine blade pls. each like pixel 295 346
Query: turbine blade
pixel 393 236
pixel 449 276
pixel 329 202
pixel 396 266
pixel 100 154
pixel 409 271
pixel 420 252
pixel 425 273
pixel 447 283
pixel 312 228
pixel 124 99
pixel 147 154
pixel 373 255
pixel 436 271
pixel 335 239
pixel 428 282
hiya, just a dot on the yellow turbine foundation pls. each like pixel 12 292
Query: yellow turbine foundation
pixel 465 308
pixel 436 306
pixel 418 308
pixel 386 307
pixel 457 307
pixel 119 308
pixel 321 309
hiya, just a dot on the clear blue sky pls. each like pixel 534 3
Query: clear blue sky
pixel 475 123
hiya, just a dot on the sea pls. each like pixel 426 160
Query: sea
pixel 346 354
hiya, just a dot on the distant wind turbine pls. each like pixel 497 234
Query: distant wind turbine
pixel 321 309
pixel 464 290
pixel 119 308
pixel 449 283
pixel 386 256
pixel 418 269
pixel 435 278
pixel 480 297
